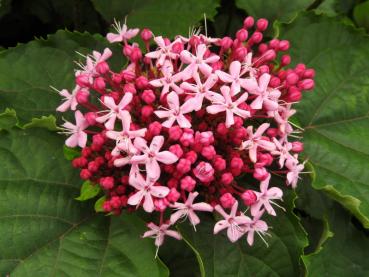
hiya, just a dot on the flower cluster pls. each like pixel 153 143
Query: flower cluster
pixel 196 124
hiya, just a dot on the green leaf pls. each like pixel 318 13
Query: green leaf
pixel 8 119
pixel 71 153
pixel 47 122
pixel 5 7
pixel 361 15
pixel 163 17
pixel 99 204
pixel 343 250
pixel 25 81
pixel 335 116
pixel 88 190
pixel 219 257
pixel 45 232
pixel 283 10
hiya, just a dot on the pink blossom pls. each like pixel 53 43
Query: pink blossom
pixel 224 103
pixel 151 155
pixel 164 51
pixel 265 196
pixel 234 77
pixel 188 209
pixel 248 66
pixel 281 116
pixel 98 57
pixel 159 233
pixel 76 132
pixel 70 101
pixel 295 169
pixel 123 138
pixel 175 112
pixel 200 90
pixel 282 151
pixel 256 226
pixel 168 81
pixel 145 191
pixel 197 62
pixel 124 33
pixel 255 140
pixel 265 97
pixel 114 110
pixel 233 223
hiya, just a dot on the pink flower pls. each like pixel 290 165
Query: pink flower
pixel 78 136
pixel 247 66
pixel 188 209
pixel 265 196
pixel 282 151
pixel 168 80
pixel 233 223
pixel 281 117
pixel 115 110
pixel 255 140
pixel 164 51
pixel 70 101
pixel 124 33
pixel 225 104
pixel 204 172
pixel 234 77
pixel 159 233
pixel 151 155
pixel 200 90
pixel 145 191
pixel 265 97
pixel 256 226
pixel 175 112
pixel 123 138
pixel 197 62
pixel 295 169
pixel 98 57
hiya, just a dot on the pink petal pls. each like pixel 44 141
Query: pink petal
pixel 121 162
pixel 204 207
pixel 235 69
pixel 194 219
pixel 137 181
pixel 154 54
pixel 159 191
pixel 264 81
pixel 141 144
pixel 229 118
pixel 177 215
pixel 252 153
pixel 173 234
pixel 162 114
pixel 156 143
pixel 156 83
pixel 109 102
pixel 257 104
pixel 82 139
pixel 166 157
pixel 169 122
pixel 136 198
pixel 214 109
pixel 173 101
pixel 127 98
pixel 220 225
pixel 131 33
pixel 211 81
pixel 114 37
pixel 64 106
pixel 250 237
pixel 200 51
pixel 234 234
pixel 72 141
pixel 183 121
pixel 106 54
pixel 110 124
pixel 153 169
pixel 262 128
pixel 205 69
pixel 212 59
pixel 225 77
pixel 148 204
pixel 186 57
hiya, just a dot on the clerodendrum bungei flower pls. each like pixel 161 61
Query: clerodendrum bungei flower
pixel 193 125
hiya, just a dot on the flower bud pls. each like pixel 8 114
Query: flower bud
pixel 146 34
pixel 227 200
pixel 249 197
pixel 262 24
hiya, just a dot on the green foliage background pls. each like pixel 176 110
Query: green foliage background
pixel 44 231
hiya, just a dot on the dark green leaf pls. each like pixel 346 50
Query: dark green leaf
pixel 45 232
pixel 335 116
pixel 283 10
pixel 88 191
pixel 70 153
pixel 361 15
pixel 163 17
pixel 27 71
pixel 47 122
pixel 99 204
pixel 8 119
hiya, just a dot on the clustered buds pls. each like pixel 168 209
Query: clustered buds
pixel 197 124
